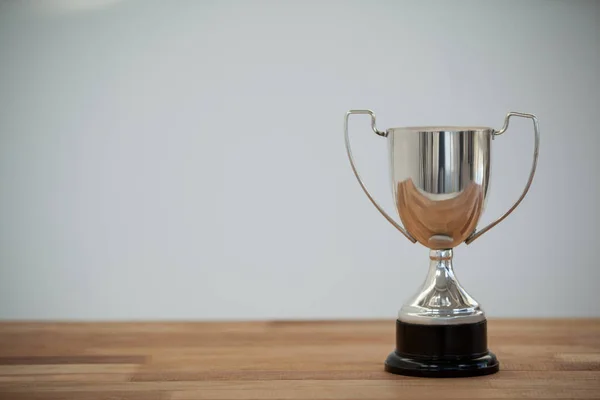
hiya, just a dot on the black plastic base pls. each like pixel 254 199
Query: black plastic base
pixel 412 366
pixel 441 351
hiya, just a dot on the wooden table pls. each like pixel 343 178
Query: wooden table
pixel 280 360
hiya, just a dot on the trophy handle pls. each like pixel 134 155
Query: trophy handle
pixel 536 131
pixel 362 185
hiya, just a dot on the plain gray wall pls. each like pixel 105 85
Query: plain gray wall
pixel 185 160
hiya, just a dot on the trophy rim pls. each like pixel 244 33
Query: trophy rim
pixel 443 128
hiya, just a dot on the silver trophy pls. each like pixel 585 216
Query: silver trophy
pixel 440 181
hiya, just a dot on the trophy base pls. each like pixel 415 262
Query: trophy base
pixel 455 350
pixel 414 366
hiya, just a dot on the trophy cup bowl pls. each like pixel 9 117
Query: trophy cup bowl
pixel 440 182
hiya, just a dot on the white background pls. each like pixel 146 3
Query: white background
pixel 185 159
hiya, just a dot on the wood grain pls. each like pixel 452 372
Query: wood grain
pixel 281 360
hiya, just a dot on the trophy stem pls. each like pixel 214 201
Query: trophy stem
pixel 441 300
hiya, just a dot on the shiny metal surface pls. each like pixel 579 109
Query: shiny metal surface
pixel 360 181
pixel 441 300
pixel 536 148
pixel 440 179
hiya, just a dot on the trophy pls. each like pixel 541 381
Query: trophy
pixel 440 181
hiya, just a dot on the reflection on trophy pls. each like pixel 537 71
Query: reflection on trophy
pixel 440 181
